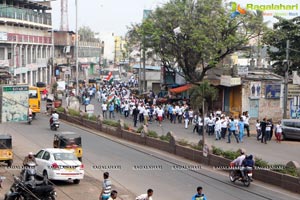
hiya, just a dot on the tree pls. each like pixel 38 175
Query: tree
pixel 204 90
pixel 276 41
pixel 87 35
pixel 196 35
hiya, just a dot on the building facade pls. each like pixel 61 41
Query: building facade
pixel 25 40
pixel 89 55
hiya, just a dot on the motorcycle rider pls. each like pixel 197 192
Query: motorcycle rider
pixel 29 158
pixel 29 114
pixel 247 165
pixel 26 163
pixel 54 117
pixel 239 160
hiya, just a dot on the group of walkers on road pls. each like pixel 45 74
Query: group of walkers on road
pixel 118 99
pixel 108 194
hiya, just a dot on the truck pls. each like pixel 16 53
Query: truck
pixel 14 103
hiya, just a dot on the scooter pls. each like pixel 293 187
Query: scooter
pixel 54 125
pixel 29 119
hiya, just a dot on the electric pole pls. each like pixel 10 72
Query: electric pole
pixel 286 80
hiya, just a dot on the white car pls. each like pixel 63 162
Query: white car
pixel 59 164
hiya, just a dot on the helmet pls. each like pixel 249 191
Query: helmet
pixel 30 154
pixel 242 151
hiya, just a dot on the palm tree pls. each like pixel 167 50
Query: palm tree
pixel 204 90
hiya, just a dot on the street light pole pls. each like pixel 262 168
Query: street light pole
pixel 286 78
pixel 76 44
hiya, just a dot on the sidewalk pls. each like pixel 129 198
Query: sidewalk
pixel 273 152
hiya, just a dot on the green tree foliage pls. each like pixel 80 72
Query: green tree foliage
pixel 276 40
pixel 204 34
pixel 87 35
pixel 204 90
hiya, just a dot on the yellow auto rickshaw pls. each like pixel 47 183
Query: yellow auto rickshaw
pixel 6 153
pixel 70 141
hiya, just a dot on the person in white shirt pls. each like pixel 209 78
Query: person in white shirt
pixel 239 160
pixel 278 132
pixel 258 130
pixel 126 109
pixel 218 129
pixel 159 113
pixel 104 109
pixel 147 196
pixel 224 124
pixel 141 114
pixel 246 123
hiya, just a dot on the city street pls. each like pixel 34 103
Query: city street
pixel 131 178
pixel 272 152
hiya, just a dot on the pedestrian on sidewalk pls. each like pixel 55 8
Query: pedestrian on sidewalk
pixel 241 126
pixel 218 129
pixel 196 123
pixel 224 125
pixel 104 109
pixel 268 131
pixel 106 187
pixel 263 126
pixel 210 124
pixel 278 132
pixel 232 129
pixel 147 196
pixel 258 130
pixel 135 114
pixel 246 123
pixel 159 113
pixel 186 118
pixel 111 110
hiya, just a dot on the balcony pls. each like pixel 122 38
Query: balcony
pixel 24 15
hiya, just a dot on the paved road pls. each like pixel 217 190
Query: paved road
pixel 168 184
pixel 272 152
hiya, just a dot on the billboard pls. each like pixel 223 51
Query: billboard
pixel 284 8
pixel 273 91
pixel 14 103
pixel 255 90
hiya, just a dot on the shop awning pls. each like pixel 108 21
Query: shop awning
pixel 181 88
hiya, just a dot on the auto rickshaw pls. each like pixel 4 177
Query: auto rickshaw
pixel 70 141
pixel 6 154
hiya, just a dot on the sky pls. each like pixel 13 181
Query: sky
pixel 105 16
pixel 113 16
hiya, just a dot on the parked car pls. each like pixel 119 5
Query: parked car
pixel 290 129
pixel 59 164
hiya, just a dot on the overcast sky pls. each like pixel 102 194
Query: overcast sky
pixel 114 15
pixel 105 15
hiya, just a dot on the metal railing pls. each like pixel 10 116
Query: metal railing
pixel 25 15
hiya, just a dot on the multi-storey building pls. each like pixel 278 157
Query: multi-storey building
pixel 89 54
pixel 25 40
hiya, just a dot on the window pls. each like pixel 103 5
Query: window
pixel 46 155
pixel 39 154
pixel 288 124
pixel 33 94
pixel 64 156
pixel 297 125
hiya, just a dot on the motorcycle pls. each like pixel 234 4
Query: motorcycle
pixel 54 125
pixel 235 174
pixel 29 119
pixel 30 190
pixel 29 172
